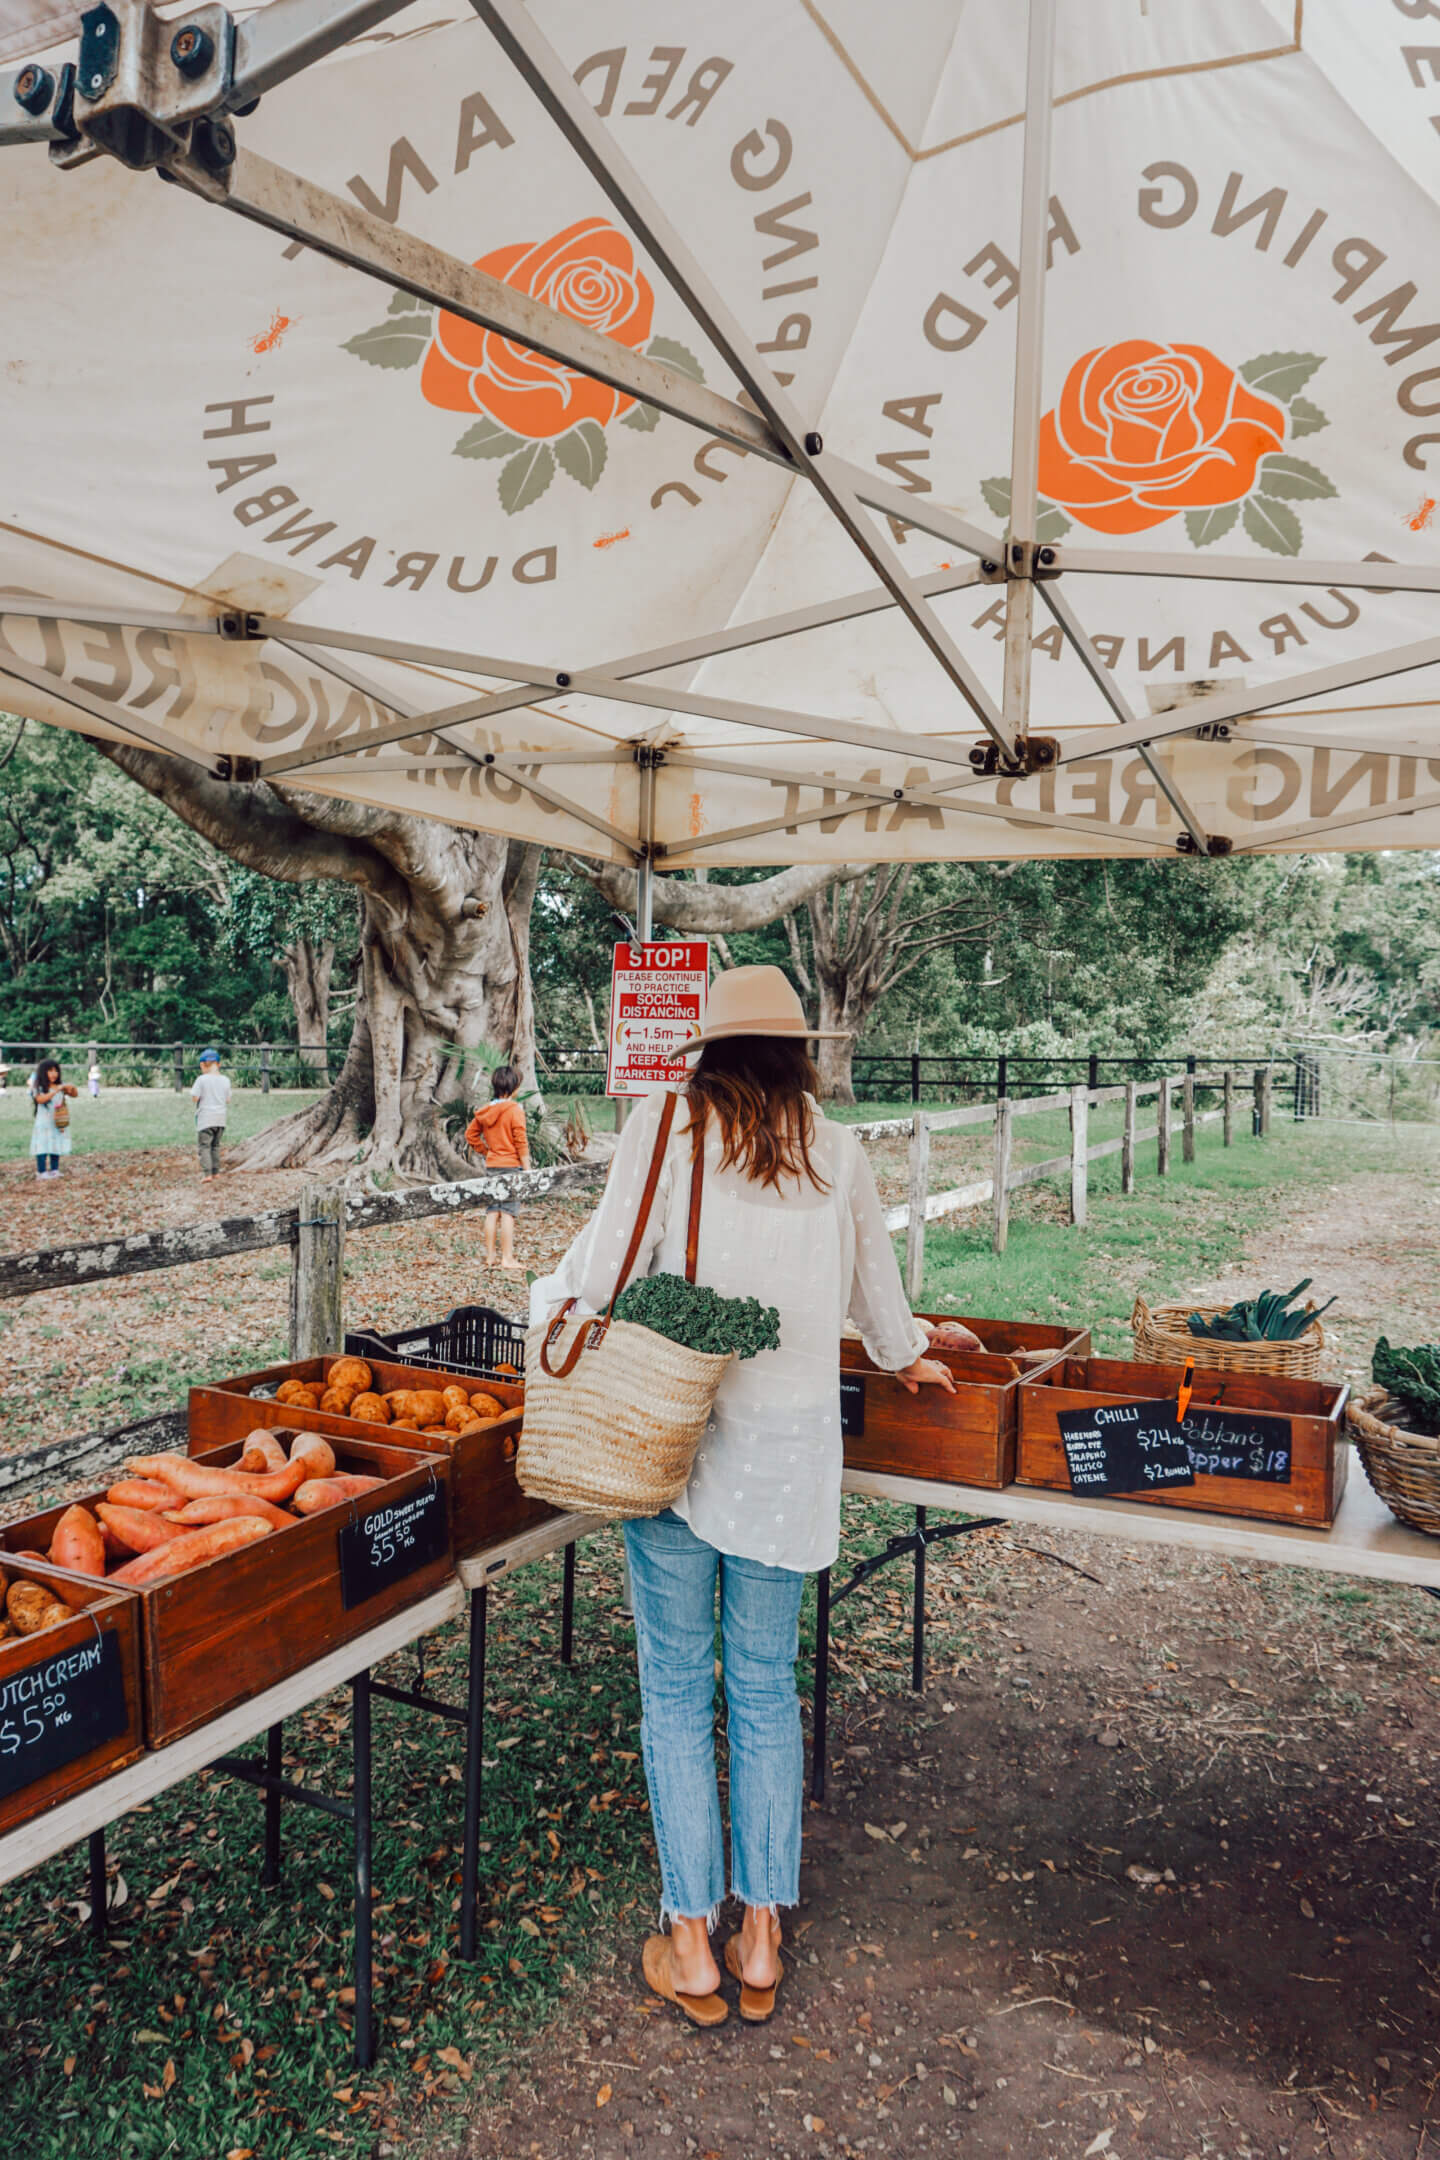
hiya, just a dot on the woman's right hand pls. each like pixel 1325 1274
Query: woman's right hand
pixel 926 1372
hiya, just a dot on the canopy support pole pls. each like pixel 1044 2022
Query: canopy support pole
pixel 647 759
pixel 1029 360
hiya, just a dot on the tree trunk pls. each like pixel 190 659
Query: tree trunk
pixel 444 948
pixel 307 968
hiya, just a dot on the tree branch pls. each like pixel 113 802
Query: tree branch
pixel 688 907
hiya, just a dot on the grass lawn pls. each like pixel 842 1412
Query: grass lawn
pixel 141 1117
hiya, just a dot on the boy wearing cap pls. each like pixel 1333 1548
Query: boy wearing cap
pixel 210 1094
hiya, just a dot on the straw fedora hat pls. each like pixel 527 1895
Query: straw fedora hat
pixel 758 1001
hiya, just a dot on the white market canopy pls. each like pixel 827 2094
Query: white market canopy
pixel 601 425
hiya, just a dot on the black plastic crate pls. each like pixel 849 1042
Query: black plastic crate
pixel 472 1339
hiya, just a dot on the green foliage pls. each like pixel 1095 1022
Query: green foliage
pixel 1260 1319
pixel 700 1318
pixel 1413 1378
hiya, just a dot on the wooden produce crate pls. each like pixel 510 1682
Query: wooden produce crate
pixel 967 1438
pixel 71 1700
pixel 236 1626
pixel 486 1504
pixel 1276 1449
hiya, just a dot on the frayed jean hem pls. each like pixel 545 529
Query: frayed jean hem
pixel 668 1916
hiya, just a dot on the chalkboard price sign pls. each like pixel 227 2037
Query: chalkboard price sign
pixel 852 1406
pixel 390 1543
pixel 1239 1444
pixel 60 1708
pixel 1125 1448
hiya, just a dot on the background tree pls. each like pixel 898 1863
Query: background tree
pixel 302 930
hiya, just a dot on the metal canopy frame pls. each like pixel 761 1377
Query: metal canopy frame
pixel 155 112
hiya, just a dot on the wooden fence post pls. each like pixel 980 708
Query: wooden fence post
pixel 179 1067
pixel 1229 1104
pixel 1262 1091
pixel 1127 1141
pixel 1162 1130
pixel 919 1194
pixel 317 1271
pixel 1000 1202
pixel 1079 1163
pixel 1187 1140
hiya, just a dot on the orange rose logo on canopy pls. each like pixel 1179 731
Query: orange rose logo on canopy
pixel 586 272
pixel 1142 431
pixel 534 412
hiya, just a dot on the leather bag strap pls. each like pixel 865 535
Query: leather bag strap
pixel 585 1336
pixel 697 1182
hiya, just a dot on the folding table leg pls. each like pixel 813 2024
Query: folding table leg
pixel 97 1885
pixel 820 1715
pixel 567 1609
pixel 360 1739
pixel 270 1873
pixel 474 1772
pixel 917 1641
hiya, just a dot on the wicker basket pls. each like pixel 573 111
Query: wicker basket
pixel 617 1435
pixel 1403 1467
pixel 1163 1338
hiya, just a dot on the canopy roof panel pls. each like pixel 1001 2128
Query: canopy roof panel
pixel 676 521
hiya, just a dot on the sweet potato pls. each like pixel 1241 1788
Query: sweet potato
pixel 316 1494
pixel 227 1507
pixel 149 1493
pixel 954 1335
pixel 315 1451
pixel 262 1451
pixel 370 1409
pixel 139 1530
pixel 351 1372
pixel 192 1549
pixel 487 1406
pixel 77 1543
pixel 191 1478
pixel 29 1607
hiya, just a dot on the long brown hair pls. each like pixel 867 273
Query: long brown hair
pixel 755 1086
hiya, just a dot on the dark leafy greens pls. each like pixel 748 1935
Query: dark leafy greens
pixel 1266 1318
pixel 1413 1378
pixel 700 1318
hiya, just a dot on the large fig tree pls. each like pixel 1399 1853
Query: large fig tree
pixel 445 927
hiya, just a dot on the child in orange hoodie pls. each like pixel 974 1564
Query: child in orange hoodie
pixel 497 1134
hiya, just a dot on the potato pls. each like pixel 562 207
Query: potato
pixel 455 1397
pixel 351 1372
pixel 428 1406
pixel 339 1400
pixel 457 1419
pixel 291 1391
pixel 487 1406
pixel 437 1432
pixel 399 1399
pixel 29 1607
pixel 370 1409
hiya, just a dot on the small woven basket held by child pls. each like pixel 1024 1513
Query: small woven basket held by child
pixel 613 1411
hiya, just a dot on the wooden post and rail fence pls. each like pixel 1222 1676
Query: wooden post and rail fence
pixel 316 1229
pixel 924 1206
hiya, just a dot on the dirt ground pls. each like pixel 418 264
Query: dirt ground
pixel 1149 1869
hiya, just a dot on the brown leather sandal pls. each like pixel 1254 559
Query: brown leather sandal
pixel 756 2004
pixel 655 1962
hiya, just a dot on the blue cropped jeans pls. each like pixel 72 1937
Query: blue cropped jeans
pixel 673 1577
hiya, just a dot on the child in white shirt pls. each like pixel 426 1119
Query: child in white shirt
pixel 210 1094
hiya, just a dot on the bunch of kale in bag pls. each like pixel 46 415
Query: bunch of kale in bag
pixel 700 1318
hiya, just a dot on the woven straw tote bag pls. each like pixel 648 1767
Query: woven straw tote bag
pixel 613 1411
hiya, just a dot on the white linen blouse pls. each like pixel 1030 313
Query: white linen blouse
pixel 766 1480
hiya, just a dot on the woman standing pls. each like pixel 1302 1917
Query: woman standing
pixel 50 1125
pixel 789 1215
